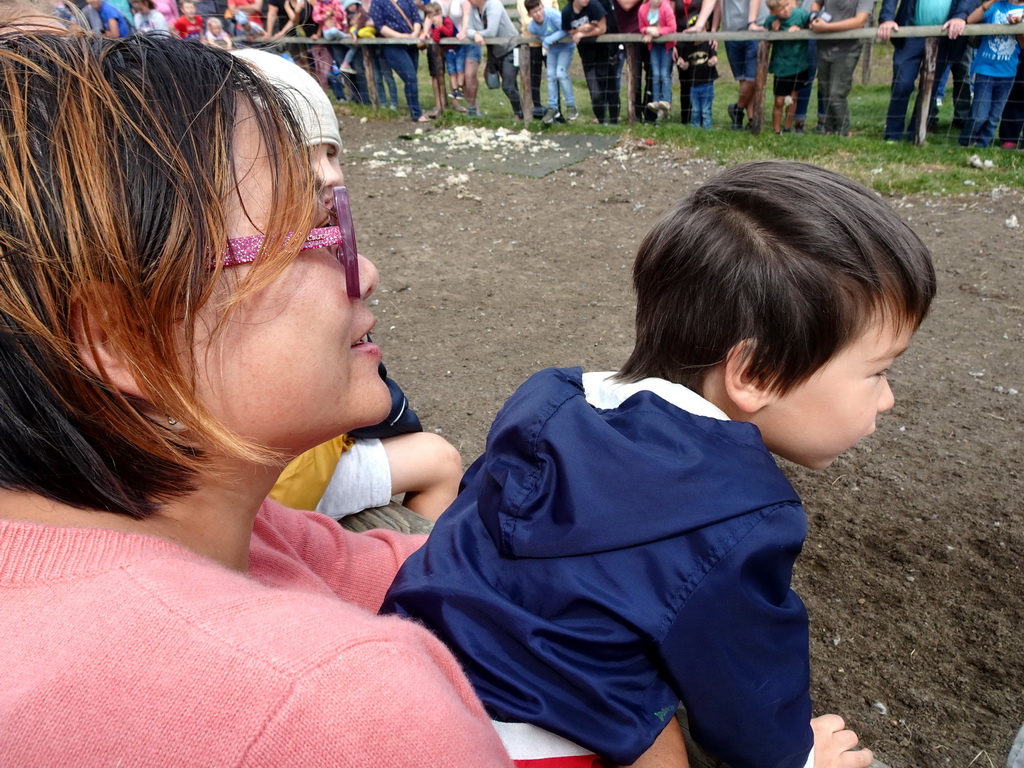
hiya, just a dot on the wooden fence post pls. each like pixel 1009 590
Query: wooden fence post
pixel 371 78
pixel 435 50
pixel 631 67
pixel 525 93
pixel 865 62
pixel 760 79
pixel 924 90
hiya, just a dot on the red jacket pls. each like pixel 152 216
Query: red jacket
pixel 666 21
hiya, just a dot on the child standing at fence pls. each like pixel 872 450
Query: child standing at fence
pixel 789 60
pixel 658 17
pixel 700 62
pixel 546 23
pixel 627 540
pixel 188 26
pixel 435 26
pixel 994 68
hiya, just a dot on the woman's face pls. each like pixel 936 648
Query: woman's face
pixel 290 368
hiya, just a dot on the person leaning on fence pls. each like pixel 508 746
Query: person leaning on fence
pixel 537 55
pixel 112 22
pixel 737 16
pixel 558 48
pixel 586 20
pixel 147 18
pixel 626 542
pixel 994 69
pixel 487 19
pixel 908 54
pixel 837 59
pixel 788 62
pixel 699 62
pixel 400 20
pixel 658 17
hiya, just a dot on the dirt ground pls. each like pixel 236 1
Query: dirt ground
pixel 912 569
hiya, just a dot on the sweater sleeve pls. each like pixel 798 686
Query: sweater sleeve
pixel 666 20
pixel 396 697
pixel 737 650
pixel 292 547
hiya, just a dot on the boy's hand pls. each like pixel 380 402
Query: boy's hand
pixel 793 29
pixel 834 745
pixel 713 61
pixel 776 25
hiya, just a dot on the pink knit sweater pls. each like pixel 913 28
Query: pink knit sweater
pixel 120 649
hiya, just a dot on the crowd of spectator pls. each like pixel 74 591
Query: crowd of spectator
pixel 987 79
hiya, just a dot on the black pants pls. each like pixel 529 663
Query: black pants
pixel 600 68
pixel 509 73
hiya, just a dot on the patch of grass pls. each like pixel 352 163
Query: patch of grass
pixel 940 167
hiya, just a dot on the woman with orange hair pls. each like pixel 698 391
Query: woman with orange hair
pixel 179 317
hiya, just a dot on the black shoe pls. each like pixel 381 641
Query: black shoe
pixel 538 113
pixel 736 115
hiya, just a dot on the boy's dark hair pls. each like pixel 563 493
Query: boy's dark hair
pixel 531 4
pixel 431 9
pixel 791 258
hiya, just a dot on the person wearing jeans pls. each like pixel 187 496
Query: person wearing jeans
pixel 994 68
pixel 657 17
pixel 400 19
pixel 488 18
pixel 909 51
pixel 546 24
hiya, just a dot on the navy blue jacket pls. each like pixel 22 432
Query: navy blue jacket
pixel 601 565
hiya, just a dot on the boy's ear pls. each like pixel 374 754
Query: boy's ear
pixel 96 348
pixel 744 392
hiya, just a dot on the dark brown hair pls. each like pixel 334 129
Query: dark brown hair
pixel 118 175
pixel 791 258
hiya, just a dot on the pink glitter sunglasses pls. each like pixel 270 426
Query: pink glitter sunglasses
pixel 243 250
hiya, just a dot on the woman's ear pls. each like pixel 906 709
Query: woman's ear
pixel 744 392
pixel 90 318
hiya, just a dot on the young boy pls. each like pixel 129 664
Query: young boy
pixel 700 63
pixel 789 60
pixel 994 69
pixel 558 47
pixel 627 541
pixel 188 26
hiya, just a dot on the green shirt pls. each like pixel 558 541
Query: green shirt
pixel 931 12
pixel 789 58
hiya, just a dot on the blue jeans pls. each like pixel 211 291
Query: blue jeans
pixel 661 72
pixel 559 59
pixel 404 59
pixel 906 63
pixel 990 95
pixel 383 80
pixel 701 99
pixel 742 58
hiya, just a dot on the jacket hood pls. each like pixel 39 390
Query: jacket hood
pixel 558 473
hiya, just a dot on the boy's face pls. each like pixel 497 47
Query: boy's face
pixel 783 10
pixel 537 14
pixel 188 9
pixel 830 412
pixel 435 19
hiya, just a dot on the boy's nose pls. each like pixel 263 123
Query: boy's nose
pixel 886 400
